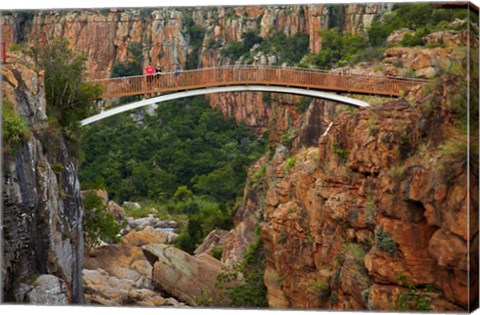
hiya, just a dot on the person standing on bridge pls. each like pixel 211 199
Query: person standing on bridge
pixel 149 73
pixel 176 73
pixel 158 73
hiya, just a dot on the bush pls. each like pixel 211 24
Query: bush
pixel 338 49
pixel 339 151
pixel 289 164
pixel 385 242
pixel 14 128
pixel 98 224
pixel 420 17
pixel 69 98
pixel 413 299
pixel 252 293
pixel 217 252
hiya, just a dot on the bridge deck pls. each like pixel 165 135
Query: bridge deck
pixel 264 75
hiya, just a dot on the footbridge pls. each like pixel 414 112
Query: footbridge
pixel 308 82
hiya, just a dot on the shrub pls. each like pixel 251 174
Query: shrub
pixel 252 293
pixel 290 163
pixel 98 224
pixel 385 242
pixel 413 299
pixel 217 252
pixel 69 98
pixel 339 151
pixel 14 127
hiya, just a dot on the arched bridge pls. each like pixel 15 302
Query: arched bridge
pixel 258 75
pixel 310 82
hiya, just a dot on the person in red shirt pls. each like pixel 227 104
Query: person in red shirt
pixel 149 70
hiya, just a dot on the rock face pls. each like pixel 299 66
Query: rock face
pixel 42 207
pixel 370 210
pixel 189 279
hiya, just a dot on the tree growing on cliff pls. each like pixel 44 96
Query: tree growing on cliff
pixel 69 97
pixel 98 224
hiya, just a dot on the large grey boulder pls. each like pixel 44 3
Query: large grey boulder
pixel 48 290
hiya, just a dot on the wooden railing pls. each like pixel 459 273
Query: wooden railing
pixel 261 75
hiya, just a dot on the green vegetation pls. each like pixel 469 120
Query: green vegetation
pixel 302 105
pixel 413 299
pixel 252 292
pixel 385 242
pixel 339 151
pixel 357 252
pixel 234 50
pixel 187 159
pixel 69 98
pixel 133 66
pixel 197 34
pixel 288 49
pixel 14 128
pixel 371 209
pixel 204 215
pixel 98 224
pixel 282 238
pixel 320 288
pixel 419 17
pixel 290 163
pixel 340 48
pixel 217 252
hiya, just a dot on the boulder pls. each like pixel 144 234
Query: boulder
pixel 187 278
pixel 104 289
pixel 396 36
pixel 116 210
pixel 146 236
pixel 131 205
pixel 124 261
pixel 150 220
pixel 48 290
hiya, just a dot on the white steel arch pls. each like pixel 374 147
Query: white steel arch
pixel 235 88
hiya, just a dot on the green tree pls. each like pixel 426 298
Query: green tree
pixel 98 224
pixel 69 97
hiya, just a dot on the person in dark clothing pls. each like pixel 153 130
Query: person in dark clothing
pixel 158 74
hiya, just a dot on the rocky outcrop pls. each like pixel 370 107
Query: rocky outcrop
pixel 374 215
pixel 189 279
pixel 214 239
pixel 103 289
pixel 148 235
pixel 42 208
pixel 120 274
pixel 359 17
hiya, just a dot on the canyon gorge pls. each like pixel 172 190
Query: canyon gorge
pixel 347 209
